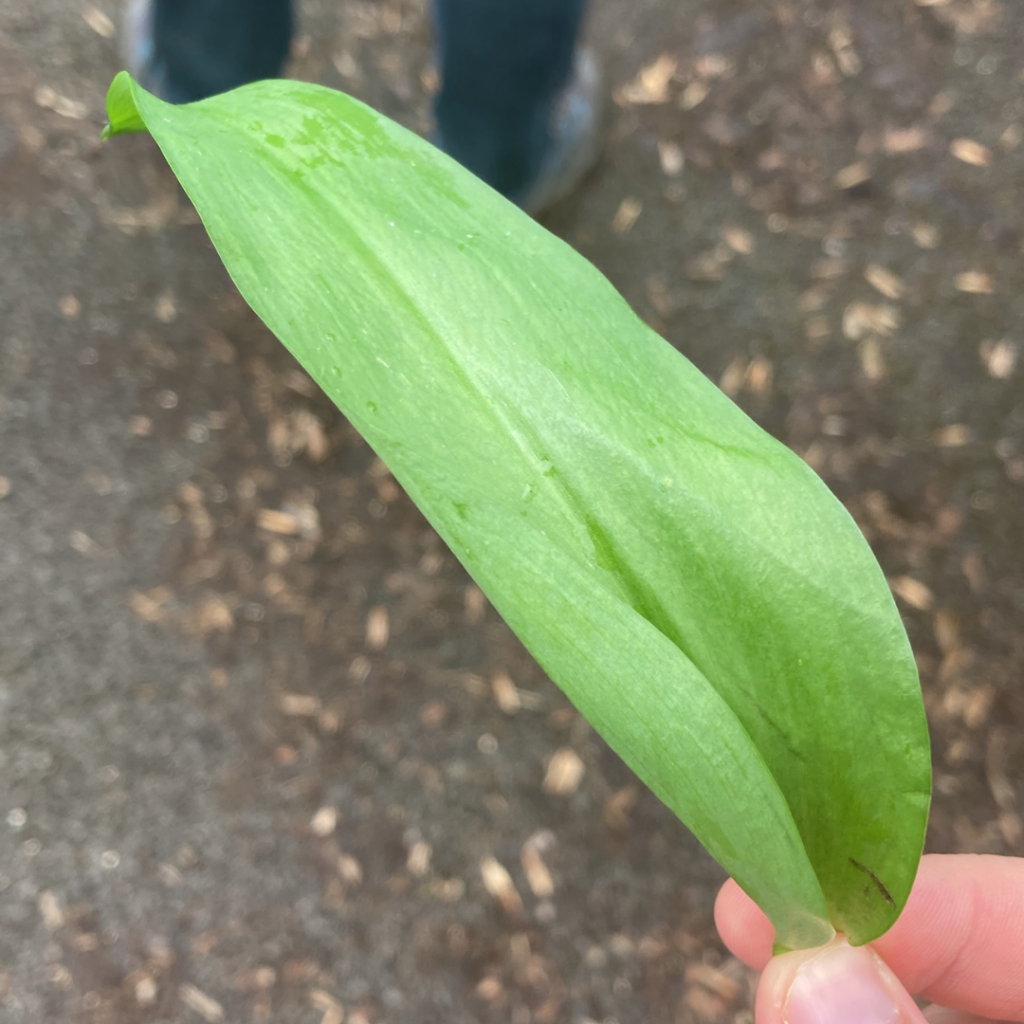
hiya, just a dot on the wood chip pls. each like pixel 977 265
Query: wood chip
pixel 433 714
pixel 298 705
pixel 834 426
pixel 706 1005
pixel 324 822
pixel 165 309
pixel 50 911
pixel 713 65
pixel 565 772
pixel 738 239
pixel 671 158
pixel 824 69
pixel 710 265
pixel 1012 827
pixel 145 991
pixel 971 152
pixel 956 435
pixel 884 281
pixel 1011 138
pixel 872 362
pixel 505 693
pixel 206 942
pixel 498 882
pixel 378 628
pixel 73 110
pixel 618 806
pixel 5 487
pixel 140 426
pixel 731 381
pixel 914 592
pixel 999 357
pixel 350 870
pixel 947 630
pixel 839 37
pixel 975 282
pixel 190 494
pixel 852 176
pixel 996 755
pixel 98 22
pixel 977 706
pixel 814 298
pixel 720 129
pixel 451 890
pixel 207 1008
pixel 332 1010
pixel 849 62
pixel 214 616
pixel 537 875
pixel 301 383
pixel 861 319
pixel 759 375
pixel 360 668
pixel 694 95
pixel 714 980
pixel 942 103
pixel 651 85
pixel 829 268
pixel 275 521
pixel 83 544
pixel 491 989
pixel 149 607
pixel 306 434
pixel 263 977
pixel 818 330
pixel 626 215
pixel 659 295
pixel 897 141
pixel 417 861
pixel 925 235
pixel 475 603
pixel 274 586
pixel 974 569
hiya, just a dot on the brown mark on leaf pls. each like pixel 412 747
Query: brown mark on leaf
pixel 874 878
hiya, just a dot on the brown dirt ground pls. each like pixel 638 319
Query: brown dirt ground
pixel 261 731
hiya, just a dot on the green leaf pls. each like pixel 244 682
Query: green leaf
pixel 122 114
pixel 689 583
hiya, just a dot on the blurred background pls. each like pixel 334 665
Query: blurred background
pixel 266 754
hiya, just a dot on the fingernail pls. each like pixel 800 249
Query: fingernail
pixel 841 985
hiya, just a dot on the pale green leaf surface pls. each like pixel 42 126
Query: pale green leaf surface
pixel 689 582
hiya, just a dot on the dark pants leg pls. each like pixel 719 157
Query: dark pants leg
pixel 210 46
pixel 503 63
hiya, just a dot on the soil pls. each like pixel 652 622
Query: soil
pixel 267 753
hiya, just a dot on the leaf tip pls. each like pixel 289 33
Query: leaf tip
pixel 122 111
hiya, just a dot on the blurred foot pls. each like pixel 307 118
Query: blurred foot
pixel 185 51
pixel 208 50
pixel 575 138
pixel 139 53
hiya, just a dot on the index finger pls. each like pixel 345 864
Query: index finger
pixel 959 942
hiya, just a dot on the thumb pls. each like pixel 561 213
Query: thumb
pixel 835 984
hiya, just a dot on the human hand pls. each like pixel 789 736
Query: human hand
pixel 958 943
